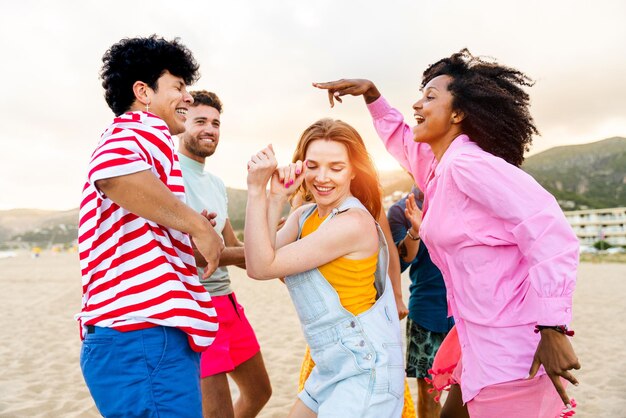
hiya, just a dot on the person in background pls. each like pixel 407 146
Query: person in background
pixel 428 322
pixel 235 351
pixel 145 317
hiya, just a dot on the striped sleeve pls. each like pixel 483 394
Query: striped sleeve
pixel 119 154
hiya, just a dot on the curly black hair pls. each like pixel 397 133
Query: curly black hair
pixel 207 98
pixel 490 95
pixel 143 59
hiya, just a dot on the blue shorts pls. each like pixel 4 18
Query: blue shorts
pixel 145 373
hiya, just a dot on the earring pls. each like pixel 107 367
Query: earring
pixel 147 107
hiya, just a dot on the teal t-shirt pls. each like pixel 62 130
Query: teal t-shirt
pixel 204 190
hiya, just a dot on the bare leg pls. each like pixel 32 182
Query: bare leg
pixel 427 407
pixel 216 400
pixel 254 387
pixel 300 410
pixel 454 408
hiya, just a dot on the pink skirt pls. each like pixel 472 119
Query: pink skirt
pixel 534 398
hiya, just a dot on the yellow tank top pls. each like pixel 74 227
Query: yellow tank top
pixel 353 280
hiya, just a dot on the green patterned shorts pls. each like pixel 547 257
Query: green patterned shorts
pixel 422 345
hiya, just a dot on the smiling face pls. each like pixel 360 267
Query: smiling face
pixel 437 122
pixel 202 132
pixel 329 173
pixel 170 101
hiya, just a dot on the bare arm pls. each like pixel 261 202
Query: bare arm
pixel 322 246
pixel 394 266
pixel 146 196
pixel 233 254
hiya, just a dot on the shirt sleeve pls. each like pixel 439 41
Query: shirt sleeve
pixel 118 156
pixel 397 136
pixel 532 220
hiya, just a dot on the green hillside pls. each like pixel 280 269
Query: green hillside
pixel 583 176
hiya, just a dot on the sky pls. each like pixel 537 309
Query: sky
pixel 261 57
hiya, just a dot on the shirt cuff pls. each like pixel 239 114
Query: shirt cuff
pixel 379 107
pixel 555 311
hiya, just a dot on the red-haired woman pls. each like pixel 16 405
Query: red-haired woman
pixel 334 259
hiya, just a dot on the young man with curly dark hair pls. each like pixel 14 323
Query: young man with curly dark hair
pixel 145 316
pixel 236 352
pixel 506 252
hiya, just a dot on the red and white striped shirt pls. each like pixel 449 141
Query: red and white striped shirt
pixel 136 273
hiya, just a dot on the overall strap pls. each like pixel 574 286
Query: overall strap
pixel 303 217
pixel 348 203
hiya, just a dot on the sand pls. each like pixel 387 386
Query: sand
pixel 40 375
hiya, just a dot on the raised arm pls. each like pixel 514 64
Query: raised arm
pixel 397 136
pixel 394 266
pixel 324 245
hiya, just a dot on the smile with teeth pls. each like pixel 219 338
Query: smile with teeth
pixel 323 189
pixel 181 111
pixel 419 118
pixel 209 140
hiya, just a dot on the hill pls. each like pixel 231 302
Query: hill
pixel 580 176
pixel 583 176
pixel 38 227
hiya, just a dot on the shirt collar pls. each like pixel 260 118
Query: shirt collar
pixel 190 164
pixel 146 118
pixel 452 150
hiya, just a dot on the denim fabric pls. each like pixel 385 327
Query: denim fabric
pixel 359 367
pixel 145 373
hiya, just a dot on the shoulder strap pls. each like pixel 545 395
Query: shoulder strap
pixel 303 217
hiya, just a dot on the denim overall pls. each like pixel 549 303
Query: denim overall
pixel 359 366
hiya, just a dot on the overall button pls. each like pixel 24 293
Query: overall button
pixel 352 324
pixel 368 356
pixel 361 343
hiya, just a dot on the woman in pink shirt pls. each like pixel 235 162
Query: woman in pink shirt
pixel 507 254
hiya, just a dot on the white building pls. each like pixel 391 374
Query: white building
pixel 593 225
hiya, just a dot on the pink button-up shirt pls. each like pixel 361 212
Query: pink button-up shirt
pixel 506 252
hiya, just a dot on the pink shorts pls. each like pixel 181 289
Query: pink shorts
pixel 235 342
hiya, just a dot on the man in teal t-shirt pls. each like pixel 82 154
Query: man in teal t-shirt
pixel 235 350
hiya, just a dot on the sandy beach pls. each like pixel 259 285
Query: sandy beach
pixel 40 374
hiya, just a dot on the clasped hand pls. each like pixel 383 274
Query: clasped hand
pixel 284 180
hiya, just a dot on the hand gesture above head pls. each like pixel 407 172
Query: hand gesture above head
pixel 354 87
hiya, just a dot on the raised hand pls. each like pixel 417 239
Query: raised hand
pixel 353 87
pixel 261 167
pixel 287 179
pixel 414 214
